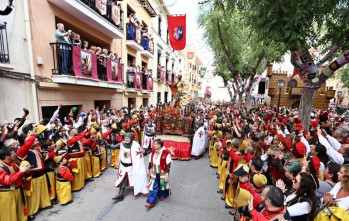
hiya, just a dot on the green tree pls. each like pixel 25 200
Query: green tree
pixel 300 25
pixel 240 53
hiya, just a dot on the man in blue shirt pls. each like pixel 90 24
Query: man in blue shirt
pixel 62 37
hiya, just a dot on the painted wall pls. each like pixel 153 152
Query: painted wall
pixel 16 94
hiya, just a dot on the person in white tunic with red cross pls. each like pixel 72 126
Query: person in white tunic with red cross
pixel 199 142
pixel 132 171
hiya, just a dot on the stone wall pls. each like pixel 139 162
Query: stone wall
pixel 291 96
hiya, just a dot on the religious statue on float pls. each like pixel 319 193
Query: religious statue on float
pixel 180 92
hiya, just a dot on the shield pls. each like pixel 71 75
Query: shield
pixel 178 32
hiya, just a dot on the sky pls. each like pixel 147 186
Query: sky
pixel 195 39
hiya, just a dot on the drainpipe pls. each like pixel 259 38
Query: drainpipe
pixel 31 60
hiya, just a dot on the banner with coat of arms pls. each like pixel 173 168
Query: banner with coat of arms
pixel 177 31
pixel 202 71
pixel 190 55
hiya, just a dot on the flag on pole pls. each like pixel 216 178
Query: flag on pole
pixel 177 31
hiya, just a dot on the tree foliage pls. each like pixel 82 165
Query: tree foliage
pixel 239 51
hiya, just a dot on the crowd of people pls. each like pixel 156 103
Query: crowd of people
pixel 270 167
pixel 50 159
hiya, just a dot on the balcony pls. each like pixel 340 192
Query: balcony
pixel 169 77
pixel 161 75
pixel 96 15
pixel 134 81
pixel 72 65
pixel 131 40
pixel 4 50
pixel 148 46
pixel 147 83
pixel 150 10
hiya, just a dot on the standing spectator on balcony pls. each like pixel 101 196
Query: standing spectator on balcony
pixel 131 27
pixel 98 51
pixel 139 27
pixel 104 52
pixel 145 39
pixel 85 45
pixel 93 49
pixel 76 40
pixel 62 37
pixel 113 55
pixel 151 43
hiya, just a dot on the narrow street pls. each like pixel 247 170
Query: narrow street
pixel 194 197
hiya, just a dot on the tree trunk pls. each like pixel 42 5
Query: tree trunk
pixel 248 102
pixel 305 106
pixel 230 95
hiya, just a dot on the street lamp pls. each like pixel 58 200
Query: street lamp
pixel 281 83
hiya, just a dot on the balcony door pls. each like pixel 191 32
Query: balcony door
pixel 101 103
pixel 131 102
pixel 166 96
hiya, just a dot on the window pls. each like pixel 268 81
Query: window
pixel 166 95
pixel 159 97
pixel 131 62
pixel 144 66
pixel 129 11
pixel 166 65
pixel 159 57
pixel 159 25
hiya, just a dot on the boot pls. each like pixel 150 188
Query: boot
pixel 120 196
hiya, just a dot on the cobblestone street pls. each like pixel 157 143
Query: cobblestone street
pixel 194 197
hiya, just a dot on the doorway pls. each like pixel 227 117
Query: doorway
pixel 166 97
pixel 131 102
pixel 48 111
pixel 101 104
pixel 145 102
pixel 158 97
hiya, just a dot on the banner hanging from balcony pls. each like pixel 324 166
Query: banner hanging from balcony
pixel 84 63
pixel 114 71
pixel 202 71
pixel 116 12
pixel 101 5
pixel 162 75
pixel 177 31
pixel 138 81
pixel 169 77
pixel 149 83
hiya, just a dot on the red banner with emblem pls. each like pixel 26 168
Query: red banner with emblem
pixel 138 81
pixel 177 31
pixel 114 71
pixel 84 63
pixel 149 83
